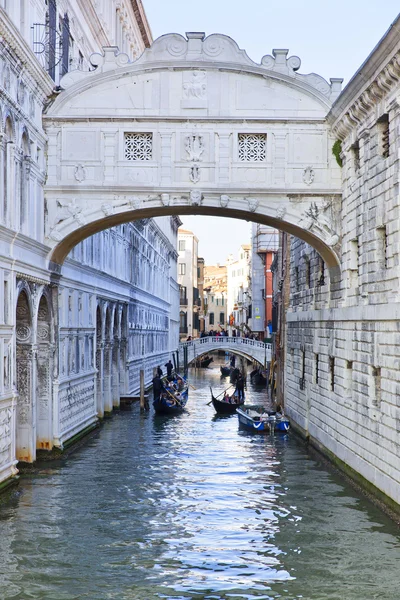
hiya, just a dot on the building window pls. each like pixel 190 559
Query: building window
pixel 65 36
pixel 308 272
pixel 376 373
pixel 297 278
pixel 383 135
pixel 222 318
pixel 211 319
pixel 321 272
pixel 138 146
pixel 182 292
pixel 332 373
pixel 181 245
pixel 182 269
pixel 355 153
pixel 382 245
pixel 317 368
pixel 252 147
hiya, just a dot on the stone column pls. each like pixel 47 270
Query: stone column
pixel 108 405
pixel 100 378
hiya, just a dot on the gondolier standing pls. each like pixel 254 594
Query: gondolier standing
pixel 240 386
pixel 170 368
pixel 158 387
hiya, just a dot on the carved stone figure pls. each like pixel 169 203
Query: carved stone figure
pixel 315 219
pixel 165 199
pixel 252 204
pixel 195 198
pixel 224 201
pixel 196 86
pixel 280 212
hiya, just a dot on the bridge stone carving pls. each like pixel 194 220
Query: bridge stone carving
pixel 193 126
pixel 251 349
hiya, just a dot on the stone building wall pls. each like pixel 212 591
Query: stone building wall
pixel 70 345
pixel 342 376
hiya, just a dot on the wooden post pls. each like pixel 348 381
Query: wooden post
pixel 142 403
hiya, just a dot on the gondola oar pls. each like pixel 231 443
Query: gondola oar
pixel 224 392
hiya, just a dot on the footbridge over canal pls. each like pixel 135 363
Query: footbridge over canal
pixel 250 349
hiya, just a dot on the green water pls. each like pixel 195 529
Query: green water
pixel 190 507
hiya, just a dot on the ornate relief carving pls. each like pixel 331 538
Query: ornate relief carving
pixel 252 204
pixel 308 175
pixel 80 173
pixel 280 212
pixel 224 200
pixel 316 219
pixel 194 173
pixel 194 146
pixel 196 87
pixel 23 332
pixel 195 198
pixel 107 209
pixel 165 199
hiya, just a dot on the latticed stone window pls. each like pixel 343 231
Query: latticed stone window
pixel 138 146
pixel 252 147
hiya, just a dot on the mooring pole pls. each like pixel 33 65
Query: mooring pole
pixel 142 402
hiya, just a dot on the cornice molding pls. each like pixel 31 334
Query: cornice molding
pixel 373 84
pixel 14 42
pixel 142 22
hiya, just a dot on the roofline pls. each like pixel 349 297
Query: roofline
pixel 381 54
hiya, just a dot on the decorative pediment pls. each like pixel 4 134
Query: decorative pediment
pixel 197 48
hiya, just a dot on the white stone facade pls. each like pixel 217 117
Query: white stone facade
pixel 239 290
pixel 188 284
pixel 72 343
pixel 342 375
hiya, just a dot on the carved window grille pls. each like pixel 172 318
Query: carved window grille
pixel 252 147
pixel 138 146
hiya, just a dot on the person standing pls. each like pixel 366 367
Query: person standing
pixel 170 368
pixel 240 386
pixel 158 387
pixel 159 371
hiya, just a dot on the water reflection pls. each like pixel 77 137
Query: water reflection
pixel 191 507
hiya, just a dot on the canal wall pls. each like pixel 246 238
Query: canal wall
pixel 342 365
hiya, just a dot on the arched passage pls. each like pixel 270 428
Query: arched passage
pixel 196 127
pixel 115 355
pixel 107 366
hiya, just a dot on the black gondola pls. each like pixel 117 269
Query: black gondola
pixel 257 377
pixel 226 407
pixel 206 361
pixel 173 401
pixel 225 371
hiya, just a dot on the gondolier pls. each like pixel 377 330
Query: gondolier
pixel 158 387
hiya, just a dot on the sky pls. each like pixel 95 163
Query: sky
pixel 331 38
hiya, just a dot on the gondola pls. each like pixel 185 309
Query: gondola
pixel 173 401
pixel 226 407
pixel 206 361
pixel 257 377
pixel 225 371
pixel 256 422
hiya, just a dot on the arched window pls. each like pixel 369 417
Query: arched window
pixel 8 167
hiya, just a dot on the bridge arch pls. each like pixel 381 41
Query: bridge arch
pixel 193 126
pixel 251 349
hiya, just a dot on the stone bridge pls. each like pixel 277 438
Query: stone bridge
pixel 250 349
pixel 193 126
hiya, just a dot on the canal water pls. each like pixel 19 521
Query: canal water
pixel 191 507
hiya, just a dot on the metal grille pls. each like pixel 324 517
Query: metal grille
pixel 138 146
pixel 252 147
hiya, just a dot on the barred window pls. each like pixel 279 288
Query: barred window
pixel 138 146
pixel 252 147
